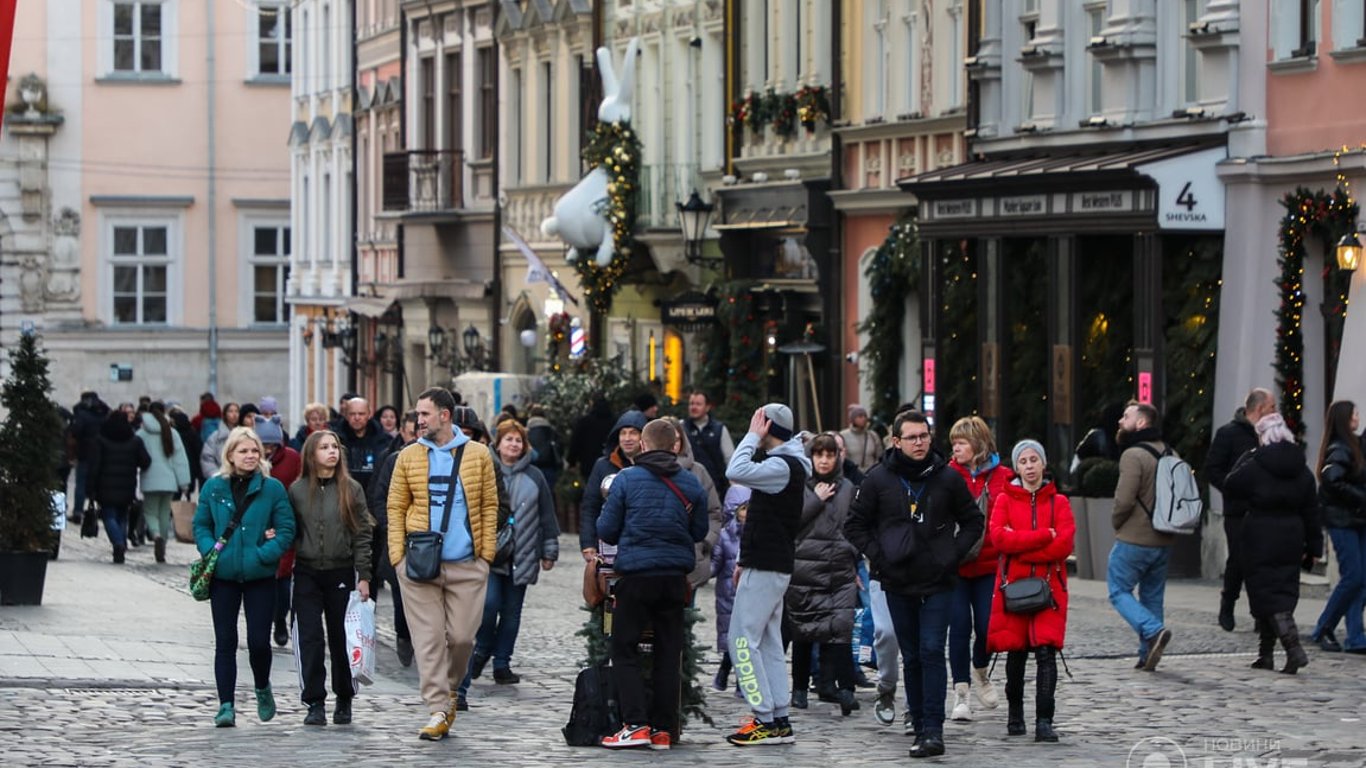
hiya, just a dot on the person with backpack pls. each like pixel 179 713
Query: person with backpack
pixel 654 513
pixel 1033 529
pixel 1342 494
pixel 975 458
pixel 1140 554
pixel 1280 533
pixel 545 443
pixel 115 461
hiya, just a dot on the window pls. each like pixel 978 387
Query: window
pixel 488 102
pixel 140 260
pixel 956 56
pixel 269 260
pixel 1294 28
pixel 1190 61
pixel 1349 24
pixel 1308 15
pixel 549 123
pixel 453 111
pixel 138 36
pixel 514 152
pixel 911 66
pixel 427 82
pixel 274 38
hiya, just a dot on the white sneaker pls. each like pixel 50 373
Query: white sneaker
pixel 986 692
pixel 961 711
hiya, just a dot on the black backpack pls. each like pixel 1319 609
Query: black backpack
pixel 596 713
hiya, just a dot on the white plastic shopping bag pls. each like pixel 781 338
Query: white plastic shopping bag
pixel 360 638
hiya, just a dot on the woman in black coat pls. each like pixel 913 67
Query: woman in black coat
pixel 113 482
pixel 1280 534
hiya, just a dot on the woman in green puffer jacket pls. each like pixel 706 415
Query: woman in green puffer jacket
pixel 244 579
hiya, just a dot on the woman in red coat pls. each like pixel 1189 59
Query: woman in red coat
pixel 1032 526
pixel 975 458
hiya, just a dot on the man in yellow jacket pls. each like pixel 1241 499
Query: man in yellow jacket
pixel 427 489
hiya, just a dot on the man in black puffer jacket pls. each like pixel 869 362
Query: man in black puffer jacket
pixel 1229 444
pixel 915 519
pixel 115 461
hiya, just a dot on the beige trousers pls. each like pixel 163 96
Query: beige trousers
pixel 443 616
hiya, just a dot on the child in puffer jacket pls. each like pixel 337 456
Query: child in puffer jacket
pixel 723 558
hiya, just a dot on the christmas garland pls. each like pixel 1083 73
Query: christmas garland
pixel 959 349
pixel 1326 216
pixel 813 105
pixel 893 274
pixel 808 106
pixel 1191 297
pixel 731 368
pixel 617 148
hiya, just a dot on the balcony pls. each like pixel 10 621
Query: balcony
pixel 424 181
pixel 661 186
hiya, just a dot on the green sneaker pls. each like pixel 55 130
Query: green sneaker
pixel 265 704
pixel 226 717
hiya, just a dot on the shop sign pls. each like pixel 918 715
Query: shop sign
pixel 1114 201
pixel 690 309
pixel 1190 195
pixel 1026 205
pixel 955 209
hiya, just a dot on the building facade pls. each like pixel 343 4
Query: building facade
pixel 323 339
pixel 152 253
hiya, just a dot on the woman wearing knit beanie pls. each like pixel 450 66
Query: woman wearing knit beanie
pixel 1032 526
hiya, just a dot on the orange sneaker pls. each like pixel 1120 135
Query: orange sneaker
pixel 660 739
pixel 628 736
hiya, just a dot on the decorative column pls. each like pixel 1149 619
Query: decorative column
pixel 1129 55
pixel 984 68
pixel 1216 37
pixel 1043 58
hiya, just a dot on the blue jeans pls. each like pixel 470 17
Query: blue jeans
pixel 1349 544
pixel 115 525
pixel 863 615
pixel 1146 568
pixel 502 619
pixel 922 626
pixel 968 621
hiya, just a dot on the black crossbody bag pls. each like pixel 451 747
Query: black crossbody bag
pixel 1028 595
pixel 422 549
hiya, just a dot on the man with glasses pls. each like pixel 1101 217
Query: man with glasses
pixel 916 521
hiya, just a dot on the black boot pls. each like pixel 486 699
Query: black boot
pixel 118 555
pixel 160 549
pixel 1295 657
pixel 1015 722
pixel 1266 645
pixel 1046 686
pixel 1226 611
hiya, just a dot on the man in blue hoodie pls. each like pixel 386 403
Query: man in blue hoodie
pixel 767 551
pixel 655 512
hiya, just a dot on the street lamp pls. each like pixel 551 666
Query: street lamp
pixel 692 220
pixel 474 347
pixel 1349 252
pixel 436 340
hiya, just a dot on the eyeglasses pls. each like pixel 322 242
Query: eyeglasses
pixel 919 437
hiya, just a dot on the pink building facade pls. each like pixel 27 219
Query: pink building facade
pixel 154 196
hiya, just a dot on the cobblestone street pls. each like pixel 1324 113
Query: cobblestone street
pixel 115 669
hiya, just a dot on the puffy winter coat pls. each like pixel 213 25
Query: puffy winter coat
pixel 535 529
pixel 914 555
pixel 165 474
pixel 1230 442
pixel 1020 523
pixel 1281 526
pixel 991 480
pixel 322 539
pixel 116 459
pixel 823 592
pixel 610 463
pixel 724 556
pixel 249 555
pixel 1342 489
pixel 409 501
pixel 211 455
pixel 646 519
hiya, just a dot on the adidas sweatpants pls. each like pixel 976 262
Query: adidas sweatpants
pixel 756 643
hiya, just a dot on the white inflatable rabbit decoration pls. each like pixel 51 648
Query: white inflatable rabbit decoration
pixel 580 217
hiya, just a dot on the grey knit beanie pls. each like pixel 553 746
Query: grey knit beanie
pixel 1025 445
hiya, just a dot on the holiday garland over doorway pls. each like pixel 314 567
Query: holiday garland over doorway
pixel 1325 216
pixel 893 274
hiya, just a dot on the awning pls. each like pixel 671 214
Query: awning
pixel 373 307
pixel 778 217
pixel 1033 171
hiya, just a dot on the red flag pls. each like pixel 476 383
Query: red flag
pixel 7 8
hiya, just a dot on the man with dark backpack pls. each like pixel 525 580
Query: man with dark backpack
pixel 654 513
pixel 1141 553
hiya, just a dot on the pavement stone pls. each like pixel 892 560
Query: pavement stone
pixel 116 669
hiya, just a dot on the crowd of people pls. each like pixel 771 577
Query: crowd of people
pixel 955 558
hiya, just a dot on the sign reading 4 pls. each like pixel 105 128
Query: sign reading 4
pixel 1186 198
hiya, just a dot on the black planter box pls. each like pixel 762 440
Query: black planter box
pixel 21 577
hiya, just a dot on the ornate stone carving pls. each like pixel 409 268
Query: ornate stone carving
pixel 63 281
pixel 31 283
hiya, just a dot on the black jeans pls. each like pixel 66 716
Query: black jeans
pixel 656 602
pixel 283 588
pixel 1233 567
pixel 320 599
pixel 257 600
pixel 836 670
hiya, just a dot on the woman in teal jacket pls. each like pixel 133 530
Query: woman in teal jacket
pixel 245 575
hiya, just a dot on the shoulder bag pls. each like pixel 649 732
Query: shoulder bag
pixel 201 570
pixel 422 549
pixel 1031 594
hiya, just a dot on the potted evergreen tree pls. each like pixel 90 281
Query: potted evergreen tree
pixel 30 442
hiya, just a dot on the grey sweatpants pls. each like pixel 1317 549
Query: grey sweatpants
pixel 756 643
pixel 884 640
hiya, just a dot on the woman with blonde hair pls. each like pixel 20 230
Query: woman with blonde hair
pixel 243 502
pixel 1280 534
pixel 315 420
pixel 975 458
pixel 332 558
